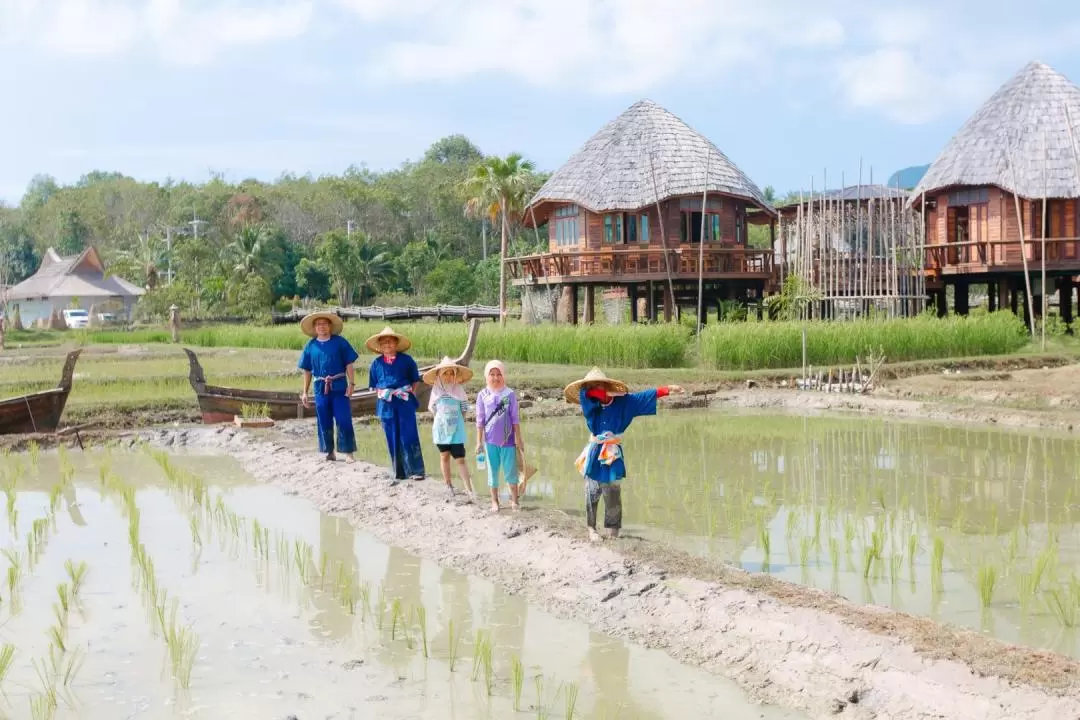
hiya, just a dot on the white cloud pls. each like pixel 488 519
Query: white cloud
pixel 182 31
pixel 916 65
pixel 607 45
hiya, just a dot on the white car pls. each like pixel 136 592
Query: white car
pixel 76 318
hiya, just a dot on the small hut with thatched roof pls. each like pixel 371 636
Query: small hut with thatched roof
pixel 1004 188
pixel 649 205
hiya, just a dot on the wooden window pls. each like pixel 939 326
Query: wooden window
pixel 637 228
pixel 973 196
pixel 613 229
pixel 566 225
pixel 690 229
pixel 739 239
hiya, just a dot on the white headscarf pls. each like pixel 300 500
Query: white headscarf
pixel 442 389
pixel 496 364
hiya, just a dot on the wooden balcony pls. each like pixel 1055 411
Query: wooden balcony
pixel 621 266
pixel 1002 256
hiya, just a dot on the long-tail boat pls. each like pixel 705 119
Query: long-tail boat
pixel 222 404
pixel 38 412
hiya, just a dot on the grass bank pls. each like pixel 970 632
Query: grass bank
pixel 753 346
pixel 642 346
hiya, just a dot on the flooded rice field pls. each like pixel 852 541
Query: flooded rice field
pixel 970 527
pixel 141 584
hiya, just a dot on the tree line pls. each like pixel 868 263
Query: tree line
pixel 430 230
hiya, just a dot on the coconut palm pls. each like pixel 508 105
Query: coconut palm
pixel 499 189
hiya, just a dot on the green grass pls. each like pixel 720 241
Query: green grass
pixel 657 346
pixel 745 346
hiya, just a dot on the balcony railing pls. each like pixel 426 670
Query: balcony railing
pixel 643 264
pixel 1061 253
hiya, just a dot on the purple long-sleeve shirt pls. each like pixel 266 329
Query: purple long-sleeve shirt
pixel 498 413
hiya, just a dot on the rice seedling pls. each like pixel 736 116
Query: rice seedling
pixel 454 634
pixel 517 679
pixel 193 524
pixel 48 693
pixel 987 580
pixel 35 452
pixel 1063 606
pixel 538 682
pixel 7 657
pixel 421 621
pixel 63 593
pixel 42 707
pixel 478 651
pixel 254 411
pixel 937 559
pixel 396 616
pixel 571 696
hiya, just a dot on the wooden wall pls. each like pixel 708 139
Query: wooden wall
pixel 591 225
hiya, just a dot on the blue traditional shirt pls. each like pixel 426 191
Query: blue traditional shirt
pixel 613 418
pixel 326 358
pixel 402 373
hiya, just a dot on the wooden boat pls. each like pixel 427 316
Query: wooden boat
pixel 38 412
pixel 222 404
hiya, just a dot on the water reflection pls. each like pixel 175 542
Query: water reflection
pixel 927 518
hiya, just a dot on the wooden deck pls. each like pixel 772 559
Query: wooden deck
pixel 626 266
pixel 988 257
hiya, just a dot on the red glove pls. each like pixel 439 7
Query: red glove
pixel 661 392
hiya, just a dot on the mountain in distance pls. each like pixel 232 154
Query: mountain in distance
pixel 909 177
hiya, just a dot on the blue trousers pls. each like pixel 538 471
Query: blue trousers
pixel 331 408
pixel 403 442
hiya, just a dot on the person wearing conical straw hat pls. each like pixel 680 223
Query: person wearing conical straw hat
pixel 447 404
pixel 609 408
pixel 328 359
pixel 394 376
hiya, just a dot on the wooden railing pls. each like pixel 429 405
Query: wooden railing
pixel 642 263
pixel 1061 253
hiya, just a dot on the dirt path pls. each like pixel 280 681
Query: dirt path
pixel 784 644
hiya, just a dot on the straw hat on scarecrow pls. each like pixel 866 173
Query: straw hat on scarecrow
pixel 307 325
pixel 462 374
pixel 372 344
pixel 594 378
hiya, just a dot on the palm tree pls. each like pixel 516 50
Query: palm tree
pixel 499 189
pixel 247 249
pixel 374 266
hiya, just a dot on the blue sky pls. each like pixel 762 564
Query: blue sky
pixel 786 88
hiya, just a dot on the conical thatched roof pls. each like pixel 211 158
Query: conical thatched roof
pixel 1012 123
pixel 612 171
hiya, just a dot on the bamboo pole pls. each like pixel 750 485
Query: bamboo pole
pixel 922 252
pixel 1023 245
pixel 701 250
pixel 860 267
pixel 663 237
pixel 1043 249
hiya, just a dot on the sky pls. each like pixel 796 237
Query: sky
pixel 789 90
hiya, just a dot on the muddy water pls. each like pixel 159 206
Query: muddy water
pixel 972 527
pixel 277 632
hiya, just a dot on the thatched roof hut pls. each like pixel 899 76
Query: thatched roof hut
pixel 1002 144
pixel 644 153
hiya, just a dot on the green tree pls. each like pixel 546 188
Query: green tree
pixel 252 297
pixel 499 188
pixel 374 267
pixel 312 279
pixel 337 255
pixel 452 282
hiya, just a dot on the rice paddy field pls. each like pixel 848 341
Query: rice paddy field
pixel 723 346
pixel 976 528
pixel 143 584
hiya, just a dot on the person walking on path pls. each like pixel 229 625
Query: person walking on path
pixel 447 404
pixel 395 377
pixel 328 360
pixel 498 433
pixel 608 409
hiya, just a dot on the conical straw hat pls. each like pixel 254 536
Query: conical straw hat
pixel 403 343
pixel 464 374
pixel 307 325
pixel 596 376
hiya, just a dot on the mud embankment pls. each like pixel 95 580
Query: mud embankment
pixel 784 644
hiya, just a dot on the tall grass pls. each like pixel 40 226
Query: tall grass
pixel 748 346
pixel 656 346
